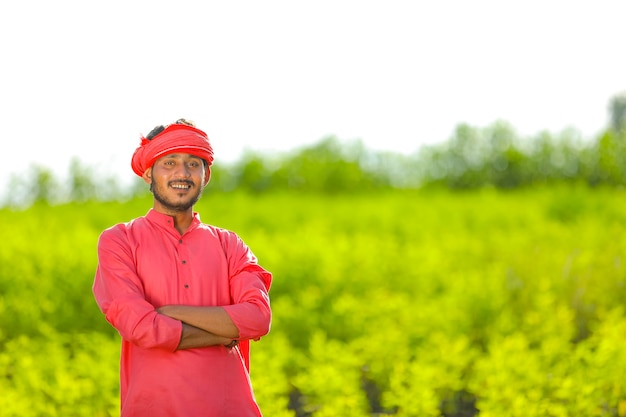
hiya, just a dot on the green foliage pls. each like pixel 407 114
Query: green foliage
pixel 59 374
pixel 404 302
pixel 327 167
pixel 497 156
pixel 618 112
pixel 38 185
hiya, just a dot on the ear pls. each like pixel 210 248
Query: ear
pixel 147 176
pixel 207 176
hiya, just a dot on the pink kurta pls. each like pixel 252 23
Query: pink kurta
pixel 146 264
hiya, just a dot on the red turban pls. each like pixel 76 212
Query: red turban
pixel 175 138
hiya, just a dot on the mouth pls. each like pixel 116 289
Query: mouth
pixel 181 185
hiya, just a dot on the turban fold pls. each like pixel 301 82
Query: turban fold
pixel 175 138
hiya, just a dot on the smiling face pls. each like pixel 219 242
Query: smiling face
pixel 176 181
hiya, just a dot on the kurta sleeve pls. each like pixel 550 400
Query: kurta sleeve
pixel 118 291
pixel 249 287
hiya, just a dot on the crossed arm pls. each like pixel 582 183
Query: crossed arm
pixel 202 326
pixel 119 292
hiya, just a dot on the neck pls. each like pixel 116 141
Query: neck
pixel 182 219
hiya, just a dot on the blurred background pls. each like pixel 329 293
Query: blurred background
pixel 437 187
pixel 81 82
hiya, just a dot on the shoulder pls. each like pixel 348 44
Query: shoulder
pixel 229 239
pixel 124 227
pixel 120 231
pixel 224 235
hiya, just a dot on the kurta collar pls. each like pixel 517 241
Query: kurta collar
pixel 166 222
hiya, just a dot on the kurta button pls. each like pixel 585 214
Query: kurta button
pixel 186 285
pixel 180 241
pixel 184 262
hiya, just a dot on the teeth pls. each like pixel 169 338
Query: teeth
pixel 180 186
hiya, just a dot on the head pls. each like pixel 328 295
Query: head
pixel 175 161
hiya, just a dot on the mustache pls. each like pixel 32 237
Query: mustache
pixel 188 182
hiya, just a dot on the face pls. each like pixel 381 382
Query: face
pixel 176 181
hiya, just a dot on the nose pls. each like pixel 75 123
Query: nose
pixel 183 171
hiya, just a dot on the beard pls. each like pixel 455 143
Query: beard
pixel 178 206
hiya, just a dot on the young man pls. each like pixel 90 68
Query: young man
pixel 186 297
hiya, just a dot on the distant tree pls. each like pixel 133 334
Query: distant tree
pixel 390 169
pixel 617 109
pixel 81 181
pixel 609 160
pixel 251 173
pixel 42 186
pixel 330 166
pixel 506 163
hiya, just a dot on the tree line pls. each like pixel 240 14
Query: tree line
pixel 473 157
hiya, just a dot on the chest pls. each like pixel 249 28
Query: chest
pixel 185 270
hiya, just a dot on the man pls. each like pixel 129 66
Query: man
pixel 186 297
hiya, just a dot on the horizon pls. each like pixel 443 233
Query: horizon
pixel 84 81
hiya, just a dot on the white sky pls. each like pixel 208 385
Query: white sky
pixel 85 79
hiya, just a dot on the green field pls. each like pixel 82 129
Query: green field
pixel 403 303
